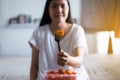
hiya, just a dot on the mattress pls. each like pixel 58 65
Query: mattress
pixel 99 67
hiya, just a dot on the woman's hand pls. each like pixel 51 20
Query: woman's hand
pixel 63 58
pixel 74 61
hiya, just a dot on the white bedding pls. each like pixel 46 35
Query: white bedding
pixel 103 67
pixel 14 68
pixel 99 67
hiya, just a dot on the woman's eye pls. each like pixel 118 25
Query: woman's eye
pixel 63 6
pixel 57 6
pixel 54 6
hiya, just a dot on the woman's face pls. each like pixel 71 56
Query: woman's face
pixel 58 10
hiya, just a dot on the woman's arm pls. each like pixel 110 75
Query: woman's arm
pixel 77 59
pixel 34 63
pixel 74 61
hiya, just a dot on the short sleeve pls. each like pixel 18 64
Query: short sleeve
pixel 34 40
pixel 80 39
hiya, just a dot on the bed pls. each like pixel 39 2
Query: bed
pixel 103 67
pixel 99 67
pixel 14 68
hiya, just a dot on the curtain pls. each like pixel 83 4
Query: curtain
pixel 117 20
pixel 100 15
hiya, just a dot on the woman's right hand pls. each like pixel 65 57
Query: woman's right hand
pixel 62 58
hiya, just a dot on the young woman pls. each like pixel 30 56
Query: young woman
pixel 45 52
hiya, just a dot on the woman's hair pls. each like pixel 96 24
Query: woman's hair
pixel 46 16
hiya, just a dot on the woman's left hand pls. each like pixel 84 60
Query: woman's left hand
pixel 63 58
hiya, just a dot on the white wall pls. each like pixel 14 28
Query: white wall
pixel 0 12
pixel 0 21
pixel 12 8
pixel 14 41
pixel 75 9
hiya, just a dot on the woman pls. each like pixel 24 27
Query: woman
pixel 45 53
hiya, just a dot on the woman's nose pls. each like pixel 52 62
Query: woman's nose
pixel 59 9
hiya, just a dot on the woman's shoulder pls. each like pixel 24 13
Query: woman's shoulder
pixel 41 28
pixel 77 27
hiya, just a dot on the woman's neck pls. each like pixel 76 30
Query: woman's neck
pixel 64 26
pixel 58 26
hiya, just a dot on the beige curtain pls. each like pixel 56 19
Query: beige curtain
pixel 117 20
pixel 100 15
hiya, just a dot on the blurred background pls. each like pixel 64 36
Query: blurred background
pixel 99 18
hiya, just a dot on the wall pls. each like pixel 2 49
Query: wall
pixel 12 8
pixel 14 41
pixel 0 11
pixel 0 21
pixel 76 9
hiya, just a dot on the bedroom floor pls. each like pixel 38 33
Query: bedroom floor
pixel 99 67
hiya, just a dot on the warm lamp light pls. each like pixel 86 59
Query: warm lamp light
pixel 110 47
pixel 117 32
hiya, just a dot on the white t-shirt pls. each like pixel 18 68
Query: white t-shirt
pixel 44 40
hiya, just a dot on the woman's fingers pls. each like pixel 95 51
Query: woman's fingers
pixel 62 58
pixel 62 54
pixel 60 62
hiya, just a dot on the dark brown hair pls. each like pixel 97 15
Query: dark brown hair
pixel 46 17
